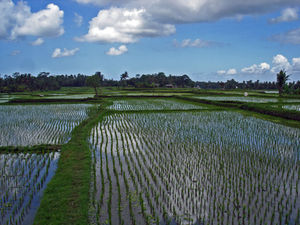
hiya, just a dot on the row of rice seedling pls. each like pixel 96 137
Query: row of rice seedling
pixel 152 104
pixel 115 192
pixel 23 125
pixel 68 96
pixel 245 99
pixel 194 167
pixel 23 177
pixel 292 107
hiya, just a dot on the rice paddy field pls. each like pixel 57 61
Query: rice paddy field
pixel 147 161
pixel 152 104
pixel 68 96
pixel 245 99
pixel 206 167
pixel 25 125
pixel 24 174
pixel 292 107
pixel 23 178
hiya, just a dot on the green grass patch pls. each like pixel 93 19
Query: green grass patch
pixel 260 110
pixel 66 198
pixel 29 149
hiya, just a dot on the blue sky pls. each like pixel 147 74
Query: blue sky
pixel 210 40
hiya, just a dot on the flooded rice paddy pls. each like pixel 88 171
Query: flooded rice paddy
pixel 246 99
pixel 194 168
pixel 25 125
pixel 23 178
pixel 152 104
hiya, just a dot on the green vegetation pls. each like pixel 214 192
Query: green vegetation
pixel 189 155
pixel 45 82
pixel 95 81
pixel 202 163
pixel 282 78
pixel 67 195
pixel 25 125
pixel 24 176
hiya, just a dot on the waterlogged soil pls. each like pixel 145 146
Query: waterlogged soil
pixel 246 99
pixel 198 168
pixel 114 173
pixel 66 96
pixel 153 104
pixel 27 125
pixel 23 178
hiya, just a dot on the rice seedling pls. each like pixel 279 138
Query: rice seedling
pixel 23 178
pixel 151 104
pixel 25 125
pixel 245 99
pixel 292 107
pixel 69 96
pixel 207 167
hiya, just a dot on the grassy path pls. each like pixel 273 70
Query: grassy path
pixel 66 198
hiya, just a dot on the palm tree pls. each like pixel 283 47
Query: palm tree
pixel 123 78
pixel 124 75
pixel 282 78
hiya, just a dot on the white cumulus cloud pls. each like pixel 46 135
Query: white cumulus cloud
pixel 197 43
pixel 121 25
pixel 125 21
pixel 17 20
pixel 231 72
pixel 190 11
pixel 117 51
pixel 289 14
pixel 290 37
pixel 58 53
pixel 221 72
pixel 296 64
pixel 37 42
pixel 257 69
pixel 78 19
pixel 280 62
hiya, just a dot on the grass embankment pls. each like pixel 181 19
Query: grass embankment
pixel 66 198
pixel 48 101
pixel 262 108
pixel 29 149
pixel 272 111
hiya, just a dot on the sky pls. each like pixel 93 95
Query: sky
pixel 209 40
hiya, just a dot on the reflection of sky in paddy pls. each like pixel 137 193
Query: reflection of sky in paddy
pixel 23 178
pixel 246 99
pixel 292 107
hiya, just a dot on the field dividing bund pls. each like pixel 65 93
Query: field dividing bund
pixel 169 161
pixel 198 167
pixel 66 198
pixel 32 140
pixel 261 108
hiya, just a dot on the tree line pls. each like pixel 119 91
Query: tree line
pixel 44 81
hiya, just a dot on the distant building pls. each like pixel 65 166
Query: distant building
pixel 169 86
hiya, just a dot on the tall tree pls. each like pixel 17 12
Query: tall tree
pixel 123 78
pixel 95 81
pixel 282 78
